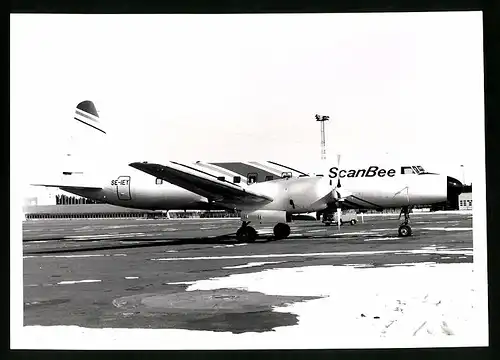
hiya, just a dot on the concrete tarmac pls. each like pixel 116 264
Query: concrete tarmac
pixel 133 273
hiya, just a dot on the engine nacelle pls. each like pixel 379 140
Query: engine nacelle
pixel 264 216
pixel 296 195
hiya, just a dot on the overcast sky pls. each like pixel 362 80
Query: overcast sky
pixel 245 87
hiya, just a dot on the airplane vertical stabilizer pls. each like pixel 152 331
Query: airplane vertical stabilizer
pixel 85 141
pixel 86 113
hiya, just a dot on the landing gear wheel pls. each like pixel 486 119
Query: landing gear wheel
pixel 246 234
pixel 281 231
pixel 404 230
pixel 353 222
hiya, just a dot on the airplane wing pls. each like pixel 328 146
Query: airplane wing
pixel 202 183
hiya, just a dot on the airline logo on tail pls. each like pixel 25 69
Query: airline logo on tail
pixel 86 113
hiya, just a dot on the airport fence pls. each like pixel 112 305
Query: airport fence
pixel 130 214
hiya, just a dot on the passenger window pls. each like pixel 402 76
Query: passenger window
pixel 252 178
pixel 221 178
pixel 269 178
pixel 237 179
pixel 159 181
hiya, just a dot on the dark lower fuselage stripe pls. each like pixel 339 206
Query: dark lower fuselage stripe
pixel 367 202
pixel 92 126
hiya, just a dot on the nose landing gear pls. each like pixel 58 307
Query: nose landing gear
pixel 404 229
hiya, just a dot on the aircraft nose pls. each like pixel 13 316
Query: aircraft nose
pixel 454 187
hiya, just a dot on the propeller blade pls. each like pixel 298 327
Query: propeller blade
pixel 339 217
pixel 342 194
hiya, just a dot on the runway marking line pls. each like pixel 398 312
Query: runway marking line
pixel 357 253
pixel 446 229
pixel 252 264
pixel 383 239
pixel 70 282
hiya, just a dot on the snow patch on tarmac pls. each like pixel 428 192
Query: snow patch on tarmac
pixel 397 306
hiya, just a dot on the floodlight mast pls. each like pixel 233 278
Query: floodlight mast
pixel 322 120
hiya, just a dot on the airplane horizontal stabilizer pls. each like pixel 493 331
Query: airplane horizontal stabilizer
pixel 202 183
pixel 69 187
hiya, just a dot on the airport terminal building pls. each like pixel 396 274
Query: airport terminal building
pixel 465 201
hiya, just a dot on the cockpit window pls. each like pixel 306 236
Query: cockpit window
pixel 407 170
pixel 420 169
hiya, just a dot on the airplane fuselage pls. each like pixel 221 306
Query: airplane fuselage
pixel 370 187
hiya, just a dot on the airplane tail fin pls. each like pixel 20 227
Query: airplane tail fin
pixel 85 141
pixel 82 147
pixel 86 113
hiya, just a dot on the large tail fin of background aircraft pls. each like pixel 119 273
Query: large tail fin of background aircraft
pixel 82 149
pixel 85 141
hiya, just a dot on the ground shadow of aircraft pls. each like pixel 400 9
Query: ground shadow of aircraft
pixel 132 243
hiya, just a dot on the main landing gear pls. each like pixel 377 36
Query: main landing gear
pixel 281 231
pixel 248 234
pixel 404 228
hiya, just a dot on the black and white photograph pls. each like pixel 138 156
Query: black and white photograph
pixel 248 181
